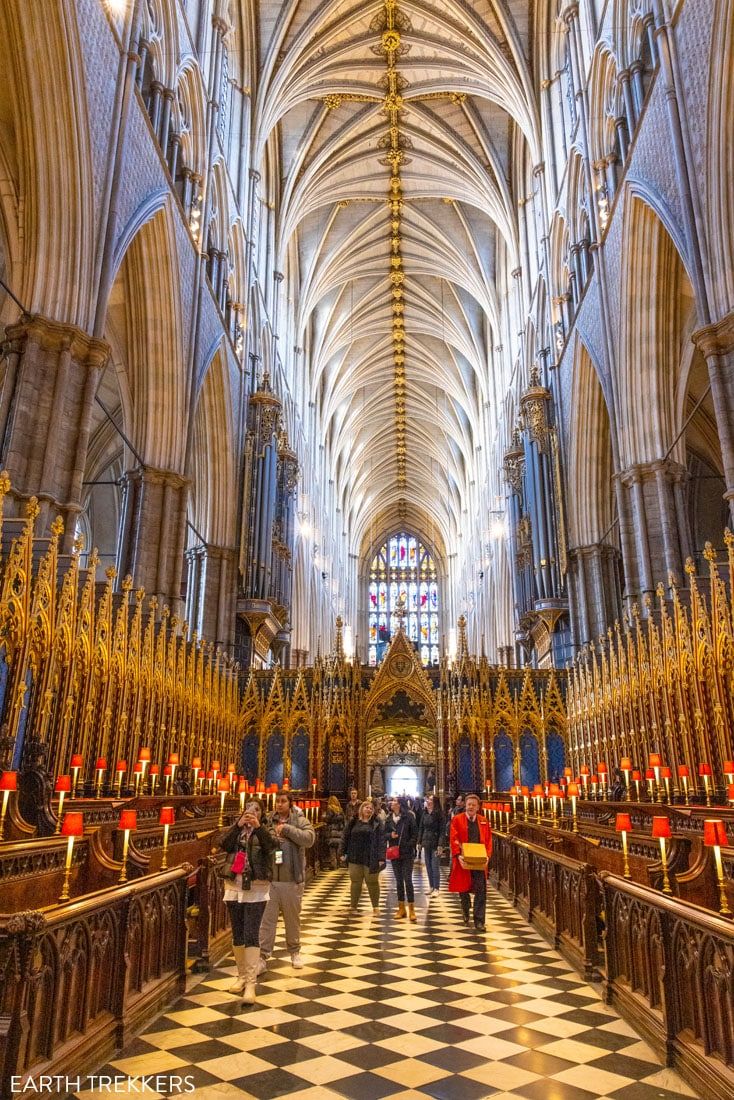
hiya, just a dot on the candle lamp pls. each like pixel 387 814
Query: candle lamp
pixel 100 767
pixel 729 771
pixel 730 794
pixel 62 787
pixel 313 786
pixel 573 793
pixel 242 792
pixel 538 800
pixel 166 818
pixel 506 809
pixel 625 765
pixel 8 784
pixel 173 762
pixel 553 793
pixel 120 771
pixel 683 774
pixel 196 768
pixel 650 780
pixel 75 766
pixel 704 770
pixel 71 828
pixel 144 759
pixel 603 773
pixel 714 836
pixel 215 769
pixel 168 776
pixel 637 779
pixel 128 823
pixel 661 831
pixel 138 773
pixel 231 774
pixel 525 800
pixel 666 775
pixel 585 773
pixel 655 761
pixel 223 788
pixel 623 825
pixel 155 771
pixel 594 780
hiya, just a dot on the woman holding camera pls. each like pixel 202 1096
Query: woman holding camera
pixel 247 873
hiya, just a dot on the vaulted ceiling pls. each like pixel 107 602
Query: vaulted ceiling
pixel 392 124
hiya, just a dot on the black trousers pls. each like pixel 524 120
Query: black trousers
pixel 479 889
pixel 403 871
pixel 245 918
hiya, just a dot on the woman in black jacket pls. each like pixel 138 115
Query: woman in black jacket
pixel 248 870
pixel 401 832
pixel 430 835
pixel 335 823
pixel 363 847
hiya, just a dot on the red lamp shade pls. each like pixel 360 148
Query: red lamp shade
pixel 506 807
pixel 231 767
pixel 196 763
pixel 155 769
pixel 168 769
pixel 595 779
pixel 537 790
pixel 585 769
pixel 63 783
pixel 623 823
pixel 661 828
pixel 121 766
pixel 568 772
pixel 144 754
pixel 714 833
pixel 73 824
pixel 602 768
pixel 173 758
pixel 728 767
pixel 242 786
pixel 704 769
pixel 626 763
pixel 9 781
pixel 525 790
pixel 683 771
pixel 101 764
pixel 77 761
pixel 223 786
pixel 555 790
pixel 573 790
pixel 730 793
pixel 650 773
pixel 655 760
pixel 167 815
pixel 210 775
pixel 138 768
pixel 128 820
pixel 216 766
pixel 665 772
pixel 636 776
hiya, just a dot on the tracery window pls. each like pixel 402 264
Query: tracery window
pixel 403 573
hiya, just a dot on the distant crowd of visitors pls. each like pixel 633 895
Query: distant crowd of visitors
pixel 265 868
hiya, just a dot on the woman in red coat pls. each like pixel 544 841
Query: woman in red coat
pixel 470 828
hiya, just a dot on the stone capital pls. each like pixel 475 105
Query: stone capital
pixel 151 475
pixel 57 337
pixel 716 338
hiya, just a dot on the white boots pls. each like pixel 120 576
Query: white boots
pixel 240 981
pixel 252 958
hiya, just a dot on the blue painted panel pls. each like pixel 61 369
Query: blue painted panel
pixel 337 776
pixel 465 767
pixel 556 756
pixel 274 759
pixel 504 762
pixel 529 759
pixel 22 722
pixel 300 747
pixel 250 747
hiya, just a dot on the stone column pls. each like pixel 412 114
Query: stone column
pixel 153 532
pixel 595 572
pixel 46 404
pixel 716 343
pixel 213 603
pixel 661 539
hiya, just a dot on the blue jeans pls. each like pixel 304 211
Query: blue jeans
pixel 433 869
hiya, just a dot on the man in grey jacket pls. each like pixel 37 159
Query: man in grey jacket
pixel 294 834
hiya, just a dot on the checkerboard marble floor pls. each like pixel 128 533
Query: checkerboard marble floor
pixel 385 1008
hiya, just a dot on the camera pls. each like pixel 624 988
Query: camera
pixel 246 879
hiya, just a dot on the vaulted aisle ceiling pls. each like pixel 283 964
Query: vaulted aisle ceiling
pixel 393 124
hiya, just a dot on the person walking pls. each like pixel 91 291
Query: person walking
pixel 335 822
pixel 401 833
pixel 352 807
pixel 430 837
pixel 470 827
pixel 363 848
pixel 248 871
pixel 293 835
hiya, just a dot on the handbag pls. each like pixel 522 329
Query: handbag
pixel 393 852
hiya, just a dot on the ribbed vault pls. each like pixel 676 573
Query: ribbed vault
pixel 392 123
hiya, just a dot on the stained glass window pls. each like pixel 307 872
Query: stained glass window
pixel 404 571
